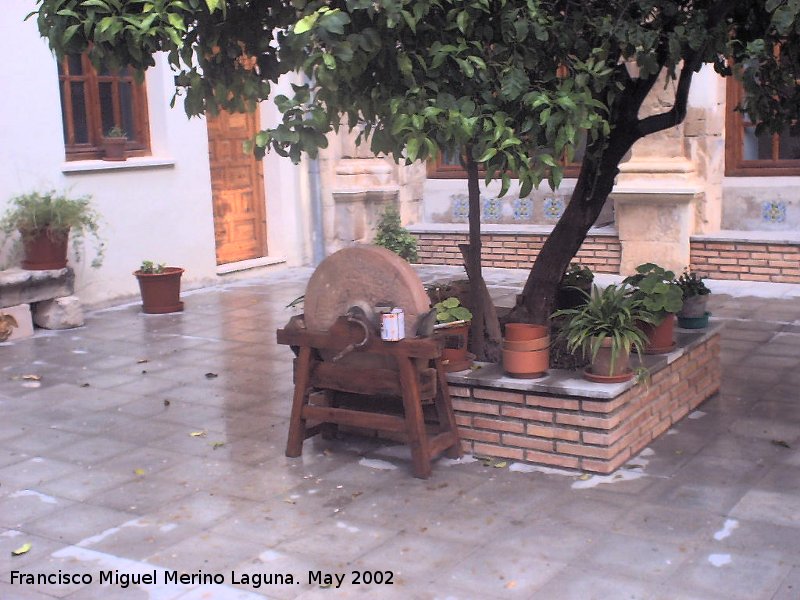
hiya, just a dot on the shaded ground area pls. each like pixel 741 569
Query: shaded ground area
pixel 155 443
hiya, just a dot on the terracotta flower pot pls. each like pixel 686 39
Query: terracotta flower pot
pixel 47 250
pixel 527 345
pixel 454 353
pixel 519 332
pixel 526 364
pixel 603 370
pixel 161 291
pixel 661 337
pixel 114 148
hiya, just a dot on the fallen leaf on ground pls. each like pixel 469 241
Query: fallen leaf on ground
pixel 142 361
pixel 584 477
pixel 500 465
pixel 31 377
pixel 138 472
pixel 22 549
pixel 201 433
pixel 211 375
pixel 166 402
pixel 780 443
pixel 511 585
pixel 84 385
pixel 216 445
pixel 289 501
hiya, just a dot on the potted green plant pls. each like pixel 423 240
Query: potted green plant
pixel 45 222
pixel 606 328
pixel 693 313
pixel 393 236
pixel 114 143
pixel 452 325
pixel 576 283
pixel 662 297
pixel 160 287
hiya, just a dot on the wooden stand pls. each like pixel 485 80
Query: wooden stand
pixel 418 378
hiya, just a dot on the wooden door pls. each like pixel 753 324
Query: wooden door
pixel 237 188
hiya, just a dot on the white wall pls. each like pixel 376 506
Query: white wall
pixel 157 207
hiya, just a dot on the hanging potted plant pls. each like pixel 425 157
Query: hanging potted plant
pixel 45 221
pixel 452 325
pixel 606 329
pixel 693 313
pixel 114 143
pixel 160 287
pixel 660 294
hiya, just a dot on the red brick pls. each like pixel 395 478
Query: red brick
pixel 529 414
pixel 560 433
pixel 527 442
pixel 462 392
pixel 552 460
pixel 480 435
pixel 603 466
pixel 587 421
pixel 464 420
pixel 476 407
pixel 499 395
pixel 499 425
pixel 552 402
pixel 498 451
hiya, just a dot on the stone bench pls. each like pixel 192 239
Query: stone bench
pixel 564 421
pixel 45 298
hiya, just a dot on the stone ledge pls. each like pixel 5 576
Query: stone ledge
pixel 19 286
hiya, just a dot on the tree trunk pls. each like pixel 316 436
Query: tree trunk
pixel 474 257
pixel 595 182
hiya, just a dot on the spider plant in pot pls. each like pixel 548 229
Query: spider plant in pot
pixel 452 325
pixel 662 297
pixel 606 328
pixel 160 287
pixel 46 222
pixel 693 313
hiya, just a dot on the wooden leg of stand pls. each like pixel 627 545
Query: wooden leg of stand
pixel 444 410
pixel 328 430
pixel 297 424
pixel 415 421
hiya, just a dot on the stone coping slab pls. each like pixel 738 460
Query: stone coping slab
pixel 20 286
pixel 562 382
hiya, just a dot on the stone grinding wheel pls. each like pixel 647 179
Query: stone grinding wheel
pixel 361 275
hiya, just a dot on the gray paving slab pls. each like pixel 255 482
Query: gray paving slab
pixel 100 471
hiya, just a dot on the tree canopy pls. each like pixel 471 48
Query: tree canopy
pixel 512 84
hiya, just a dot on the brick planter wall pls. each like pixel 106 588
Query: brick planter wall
pixel 516 251
pixel 750 261
pixel 590 434
pixel 713 258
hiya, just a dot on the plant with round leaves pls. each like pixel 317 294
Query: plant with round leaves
pixel 450 310
pixel 657 289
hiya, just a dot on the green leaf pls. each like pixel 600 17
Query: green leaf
pixel 489 154
pixel 212 5
pixel 176 21
pixel 306 23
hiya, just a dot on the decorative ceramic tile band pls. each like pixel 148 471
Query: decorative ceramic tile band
pixel 773 211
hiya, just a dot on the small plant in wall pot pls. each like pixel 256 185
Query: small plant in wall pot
pixel 114 143
pixel 452 325
pixel 693 313
pixel 160 287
